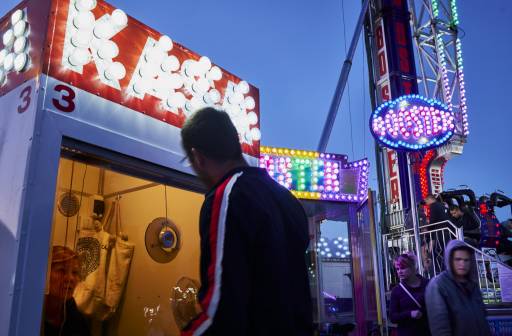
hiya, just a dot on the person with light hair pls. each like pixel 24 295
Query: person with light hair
pixel 407 307
pixel 61 316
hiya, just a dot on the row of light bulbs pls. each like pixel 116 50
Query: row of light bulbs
pixel 15 54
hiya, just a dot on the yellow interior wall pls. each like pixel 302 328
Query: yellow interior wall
pixel 90 187
pixel 149 283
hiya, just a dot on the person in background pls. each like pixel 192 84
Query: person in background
pixel 61 316
pixel 454 301
pixel 437 210
pixel 407 307
pixel 470 224
pixel 254 236
pixel 438 238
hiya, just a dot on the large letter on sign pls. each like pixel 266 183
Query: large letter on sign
pixel 90 39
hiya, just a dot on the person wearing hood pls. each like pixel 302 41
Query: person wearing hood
pixel 454 301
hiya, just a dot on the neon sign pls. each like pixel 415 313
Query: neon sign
pixel 313 175
pixel 412 122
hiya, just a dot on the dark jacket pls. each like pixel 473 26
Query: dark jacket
pixel 254 280
pixel 469 223
pixel 401 306
pixel 438 213
pixel 456 309
pixel 74 325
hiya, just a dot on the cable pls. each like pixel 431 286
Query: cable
pixel 165 193
pixel 79 206
pixel 70 193
pixel 348 82
pixel 364 102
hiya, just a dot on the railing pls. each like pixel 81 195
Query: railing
pixel 434 238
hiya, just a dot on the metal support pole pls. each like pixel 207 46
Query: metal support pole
pixel 342 81
pixel 414 215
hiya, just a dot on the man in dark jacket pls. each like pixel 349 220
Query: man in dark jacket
pixel 469 222
pixel 454 301
pixel 254 235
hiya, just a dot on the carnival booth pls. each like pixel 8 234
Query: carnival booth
pixel 92 102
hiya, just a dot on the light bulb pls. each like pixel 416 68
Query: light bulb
pixel 256 133
pixel 79 57
pixel 148 71
pixel 253 118
pixel 164 43
pixel 103 30
pixel 249 103
pixel 170 63
pixel 2 77
pixel 20 44
pixel 119 18
pixel 242 87
pixel 20 62
pixel 9 62
pixel 141 87
pixel 204 64
pixel 108 50
pixel 175 81
pixel 214 95
pixel 236 98
pixel 115 71
pixel 16 16
pixel 82 38
pixel 8 38
pixel 3 54
pixel 201 86
pixel 19 28
pixel 214 74
pixel 190 68
pixel 84 21
pixel 85 5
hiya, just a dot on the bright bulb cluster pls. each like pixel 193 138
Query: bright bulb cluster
pixel 462 88
pixel 333 248
pixel 88 39
pixel 412 122
pixel 455 14
pixel 15 54
pixel 239 107
pixel 435 8
pixel 314 175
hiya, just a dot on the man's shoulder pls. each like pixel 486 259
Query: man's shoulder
pixel 438 281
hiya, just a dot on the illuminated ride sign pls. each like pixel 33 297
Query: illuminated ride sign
pixel 412 123
pixel 313 175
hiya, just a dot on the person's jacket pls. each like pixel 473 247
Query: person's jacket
pixel 456 309
pixel 400 308
pixel 254 280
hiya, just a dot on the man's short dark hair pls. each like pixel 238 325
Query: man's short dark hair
pixel 454 207
pixel 211 132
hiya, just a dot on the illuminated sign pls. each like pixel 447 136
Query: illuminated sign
pixel 412 122
pixel 14 56
pixel 313 175
pixel 99 49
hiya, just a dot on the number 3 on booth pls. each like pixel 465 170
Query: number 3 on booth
pixel 64 100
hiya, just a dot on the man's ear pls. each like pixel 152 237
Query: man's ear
pixel 197 158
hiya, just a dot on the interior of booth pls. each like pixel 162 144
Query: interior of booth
pixel 133 208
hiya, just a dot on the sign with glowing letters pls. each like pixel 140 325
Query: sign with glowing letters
pixel 313 175
pixel 411 123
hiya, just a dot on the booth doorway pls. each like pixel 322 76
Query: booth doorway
pixel 123 197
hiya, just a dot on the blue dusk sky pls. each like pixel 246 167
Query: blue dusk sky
pixel 293 51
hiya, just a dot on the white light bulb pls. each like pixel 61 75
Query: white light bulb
pixel 9 62
pixel 108 50
pixel 176 100
pixel 256 133
pixel 8 38
pixel 119 18
pixel 200 86
pixel 82 38
pixel 214 74
pixel 190 68
pixel 155 56
pixel 170 63
pixel 214 95
pixel 248 136
pixel 85 5
pixel 16 16
pixel 148 71
pixel 242 87
pixel 141 87
pixel 204 64
pixel 20 62
pixel 19 28
pixel 253 118
pixel 20 44
pixel 79 57
pixel 84 21
pixel 249 103
pixel 3 54
pixel 164 43
pixel 103 30
pixel 236 98
pixel 115 71
pixel 207 99
pixel 175 81
pixel 2 77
